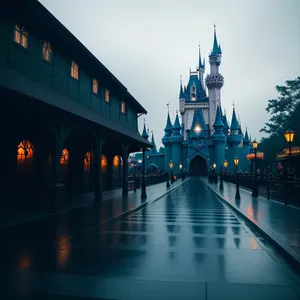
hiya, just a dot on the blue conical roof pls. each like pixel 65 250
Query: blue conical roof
pixel 153 150
pixel 176 127
pixel 218 121
pixel 234 123
pixel 246 137
pixel 216 48
pixel 168 127
pixel 145 134
pixel 225 122
pixel 201 65
pixel 181 94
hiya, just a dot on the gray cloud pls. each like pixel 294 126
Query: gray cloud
pixel 148 44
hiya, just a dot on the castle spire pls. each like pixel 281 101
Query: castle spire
pixel 181 94
pixel 201 65
pixel 216 47
pixel 234 128
pixel 218 121
pixel 246 137
pixel 168 128
pixel 145 134
pixel 153 150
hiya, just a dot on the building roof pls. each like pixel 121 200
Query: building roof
pixel 234 122
pixel 168 128
pixel 216 48
pixel 200 92
pixel 218 121
pixel 39 17
pixel 145 134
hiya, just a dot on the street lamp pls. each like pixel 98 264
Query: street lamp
pixel 237 193
pixel 289 136
pixel 225 166
pixel 171 168
pixel 254 185
pixel 214 165
pixel 180 167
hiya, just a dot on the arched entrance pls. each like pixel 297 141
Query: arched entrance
pixel 198 166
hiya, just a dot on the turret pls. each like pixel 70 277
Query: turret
pixel 226 126
pixel 181 98
pixel 201 69
pixel 219 139
pixel 176 141
pixel 214 81
pixel 153 150
pixel 145 134
pixel 166 142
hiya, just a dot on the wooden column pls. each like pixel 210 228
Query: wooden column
pixel 97 167
pixel 125 169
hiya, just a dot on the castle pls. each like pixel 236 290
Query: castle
pixel 204 138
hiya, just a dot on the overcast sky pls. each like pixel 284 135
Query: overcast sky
pixel 148 44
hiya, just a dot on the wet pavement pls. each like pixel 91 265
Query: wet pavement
pixel 186 245
pixel 280 222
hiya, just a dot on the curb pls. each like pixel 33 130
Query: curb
pixel 292 260
pixel 141 206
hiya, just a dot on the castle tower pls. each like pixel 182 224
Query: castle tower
pixel 145 134
pixel 233 141
pixel 176 141
pixel 246 150
pixel 201 70
pixel 219 140
pixel 226 125
pixel 167 143
pixel 214 81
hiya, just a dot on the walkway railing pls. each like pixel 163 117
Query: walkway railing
pixel 284 191
pixel 135 182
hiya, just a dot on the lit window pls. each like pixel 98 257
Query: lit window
pixel 103 162
pixel 25 152
pixel 21 35
pixel 74 70
pixel 47 51
pixel 95 86
pixel 64 157
pixel 123 107
pixel 106 95
pixel 116 161
pixel 87 161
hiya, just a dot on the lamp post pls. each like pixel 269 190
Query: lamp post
pixel 143 192
pixel 254 185
pixel 171 168
pixel 237 193
pixel 289 136
pixel 180 167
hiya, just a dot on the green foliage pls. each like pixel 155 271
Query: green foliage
pixel 285 113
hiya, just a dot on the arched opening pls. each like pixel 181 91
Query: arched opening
pixel 152 170
pixel 117 171
pixel 26 178
pixel 198 166
pixel 88 172
pixel 64 161
pixel 103 171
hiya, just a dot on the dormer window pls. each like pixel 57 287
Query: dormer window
pixel 47 51
pixel 123 107
pixel 106 95
pixel 95 86
pixel 21 36
pixel 74 70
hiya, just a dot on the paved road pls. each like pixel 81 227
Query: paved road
pixel 187 245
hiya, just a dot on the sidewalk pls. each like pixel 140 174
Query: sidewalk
pixel 279 222
pixel 86 200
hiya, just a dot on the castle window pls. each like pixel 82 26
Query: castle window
pixel 197 128
pixel 21 35
pixel 106 95
pixel 74 70
pixel 47 51
pixel 123 107
pixel 95 86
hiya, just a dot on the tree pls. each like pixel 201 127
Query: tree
pixel 285 113
pixel 282 109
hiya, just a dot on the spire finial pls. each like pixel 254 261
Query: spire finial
pixel 233 104
pixel 180 80
pixel 168 104
pixel 199 47
pixel 215 26
pixel 144 120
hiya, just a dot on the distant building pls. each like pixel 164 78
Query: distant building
pixel 203 137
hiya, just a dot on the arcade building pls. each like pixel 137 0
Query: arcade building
pixel 68 124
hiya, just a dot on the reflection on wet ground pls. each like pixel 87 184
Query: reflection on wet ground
pixel 185 246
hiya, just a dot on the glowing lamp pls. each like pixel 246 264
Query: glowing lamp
pixel 289 135
pixel 214 165
pixel 225 163
pixel 171 165
pixel 197 129
pixel 255 144
pixel 236 161
pixel 180 167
